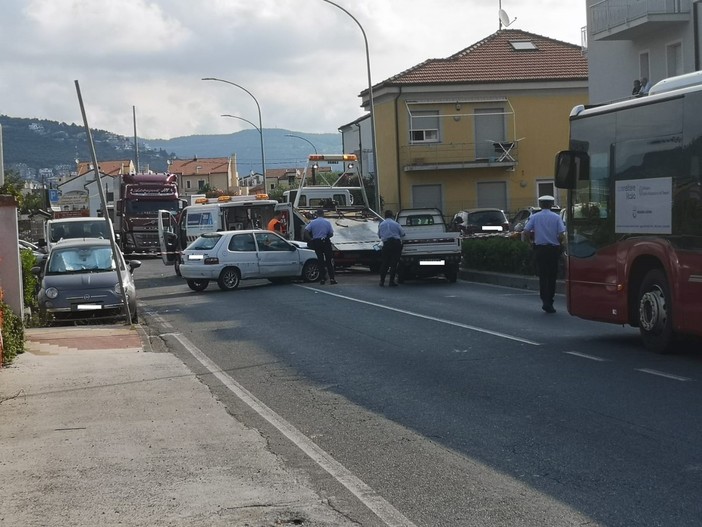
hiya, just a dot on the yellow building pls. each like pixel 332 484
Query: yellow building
pixel 479 128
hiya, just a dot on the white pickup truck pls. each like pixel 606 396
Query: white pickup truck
pixel 428 249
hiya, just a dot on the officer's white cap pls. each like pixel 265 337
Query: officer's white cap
pixel 547 198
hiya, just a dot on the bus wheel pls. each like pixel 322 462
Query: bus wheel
pixel 655 315
pixel 229 279
pixel 198 285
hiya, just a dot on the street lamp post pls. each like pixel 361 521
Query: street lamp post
pixel 247 121
pixel 260 124
pixel 372 106
pixel 310 142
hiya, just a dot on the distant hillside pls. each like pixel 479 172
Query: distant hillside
pixel 38 143
pixel 281 151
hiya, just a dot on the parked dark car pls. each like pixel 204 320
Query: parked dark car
pixel 483 220
pixel 521 218
pixel 79 281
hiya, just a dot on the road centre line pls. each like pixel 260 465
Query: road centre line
pixel 586 356
pixel 664 374
pixel 426 317
pixel 371 499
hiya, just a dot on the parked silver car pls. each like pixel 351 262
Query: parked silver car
pixel 79 281
pixel 231 256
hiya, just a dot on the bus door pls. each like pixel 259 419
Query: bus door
pixel 592 274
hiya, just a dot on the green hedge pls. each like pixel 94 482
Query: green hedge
pixel 12 325
pixel 12 334
pixel 498 254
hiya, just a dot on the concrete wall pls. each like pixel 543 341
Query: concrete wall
pixel 10 266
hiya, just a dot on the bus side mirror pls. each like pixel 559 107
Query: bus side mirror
pixel 571 166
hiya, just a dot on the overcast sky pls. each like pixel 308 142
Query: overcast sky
pixel 303 60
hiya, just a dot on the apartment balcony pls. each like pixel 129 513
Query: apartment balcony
pixel 454 156
pixel 630 19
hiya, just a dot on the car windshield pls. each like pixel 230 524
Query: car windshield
pixel 80 260
pixel 205 243
pixel 486 217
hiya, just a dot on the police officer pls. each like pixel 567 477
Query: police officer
pixel 545 229
pixel 320 231
pixel 391 233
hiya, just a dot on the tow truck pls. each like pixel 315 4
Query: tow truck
pixel 345 204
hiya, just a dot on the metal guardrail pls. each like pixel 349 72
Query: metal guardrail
pixel 609 14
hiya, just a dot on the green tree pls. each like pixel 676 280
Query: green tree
pixel 13 186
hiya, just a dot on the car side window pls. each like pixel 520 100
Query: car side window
pixel 242 243
pixel 271 242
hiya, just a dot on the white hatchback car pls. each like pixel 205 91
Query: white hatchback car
pixel 231 256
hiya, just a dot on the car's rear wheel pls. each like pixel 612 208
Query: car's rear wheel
pixel 198 285
pixel 310 271
pixel 229 279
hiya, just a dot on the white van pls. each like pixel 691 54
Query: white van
pixel 75 227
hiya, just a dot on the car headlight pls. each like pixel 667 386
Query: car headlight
pixel 117 289
pixel 51 292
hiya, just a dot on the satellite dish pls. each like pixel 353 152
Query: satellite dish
pixel 504 19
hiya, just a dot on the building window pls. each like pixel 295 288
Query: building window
pixel 424 127
pixel 200 184
pixel 546 188
pixel 187 184
pixel 643 65
pixel 674 59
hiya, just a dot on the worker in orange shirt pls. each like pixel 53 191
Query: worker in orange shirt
pixel 276 224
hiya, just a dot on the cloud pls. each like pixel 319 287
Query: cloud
pixel 304 60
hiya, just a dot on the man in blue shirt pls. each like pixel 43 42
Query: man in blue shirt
pixel 320 231
pixel 545 229
pixel 391 233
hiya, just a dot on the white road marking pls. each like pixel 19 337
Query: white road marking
pixel 586 356
pixel 426 317
pixel 664 374
pixel 383 509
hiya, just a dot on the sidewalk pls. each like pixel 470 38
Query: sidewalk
pixel 99 429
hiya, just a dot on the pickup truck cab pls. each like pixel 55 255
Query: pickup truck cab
pixel 429 248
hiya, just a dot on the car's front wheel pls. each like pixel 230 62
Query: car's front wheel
pixel 310 271
pixel 198 285
pixel 229 279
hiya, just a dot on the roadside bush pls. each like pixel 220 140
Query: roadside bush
pixel 498 254
pixel 12 333
pixel 29 280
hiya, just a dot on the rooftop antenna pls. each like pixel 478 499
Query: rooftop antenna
pixel 504 19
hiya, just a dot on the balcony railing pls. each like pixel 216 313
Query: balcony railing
pixel 447 156
pixel 610 14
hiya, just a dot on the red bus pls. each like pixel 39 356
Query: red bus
pixel 634 218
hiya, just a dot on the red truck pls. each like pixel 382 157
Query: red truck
pixel 141 197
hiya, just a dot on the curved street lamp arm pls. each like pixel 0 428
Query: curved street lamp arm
pixel 242 119
pixel 299 137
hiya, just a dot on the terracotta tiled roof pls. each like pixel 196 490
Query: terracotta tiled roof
pixel 196 166
pixel 107 168
pixel 282 173
pixel 494 59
